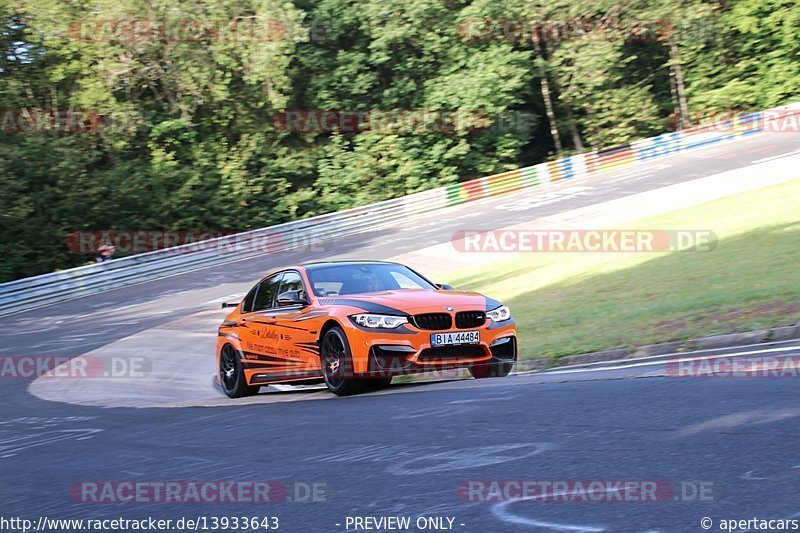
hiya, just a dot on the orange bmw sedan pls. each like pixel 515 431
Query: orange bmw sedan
pixel 354 325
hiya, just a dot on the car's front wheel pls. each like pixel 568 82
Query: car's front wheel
pixel 337 364
pixel 491 370
pixel 231 374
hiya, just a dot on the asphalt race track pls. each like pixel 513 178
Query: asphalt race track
pixel 406 450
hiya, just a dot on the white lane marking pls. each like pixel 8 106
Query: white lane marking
pixel 671 354
pixel 637 174
pixel 545 198
pixel 682 356
pixel 776 157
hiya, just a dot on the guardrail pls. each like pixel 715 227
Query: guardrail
pixel 38 291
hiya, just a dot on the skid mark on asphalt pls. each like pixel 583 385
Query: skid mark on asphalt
pixel 41 422
pixel 18 434
pixel 439 458
pixel 482 400
pixel 777 473
pixel 389 506
pixel 459 407
pixel 500 510
pixel 11 444
pixel 748 476
pixel 372 453
pixel 433 412
pixel 738 420
pixel 467 458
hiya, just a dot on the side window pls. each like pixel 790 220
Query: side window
pixel 266 293
pixel 292 282
pixel 247 306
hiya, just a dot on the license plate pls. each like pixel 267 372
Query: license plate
pixel 455 338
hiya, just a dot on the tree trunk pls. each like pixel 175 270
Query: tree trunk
pixel 577 141
pixel 548 102
pixel 595 134
pixel 677 69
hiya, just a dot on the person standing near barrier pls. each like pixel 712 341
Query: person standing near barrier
pixel 104 253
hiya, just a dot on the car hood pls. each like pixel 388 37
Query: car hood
pixel 414 301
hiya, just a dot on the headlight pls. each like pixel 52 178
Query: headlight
pixel 499 314
pixel 379 321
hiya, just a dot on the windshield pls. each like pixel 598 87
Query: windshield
pixel 338 280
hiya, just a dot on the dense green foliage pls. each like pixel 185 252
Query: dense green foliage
pixel 189 138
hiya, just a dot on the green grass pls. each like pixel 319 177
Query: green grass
pixel 568 303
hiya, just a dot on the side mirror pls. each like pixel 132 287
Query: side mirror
pixel 445 287
pixel 229 304
pixel 292 298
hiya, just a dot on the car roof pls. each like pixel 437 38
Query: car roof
pixel 315 264
pixel 312 265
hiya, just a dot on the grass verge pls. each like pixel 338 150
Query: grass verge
pixel 569 303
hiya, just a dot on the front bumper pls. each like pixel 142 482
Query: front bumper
pixel 383 353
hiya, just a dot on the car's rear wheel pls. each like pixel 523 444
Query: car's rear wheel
pixel 491 370
pixel 337 364
pixel 231 374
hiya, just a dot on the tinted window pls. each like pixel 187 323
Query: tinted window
pixel 292 282
pixel 247 306
pixel 266 293
pixel 335 280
